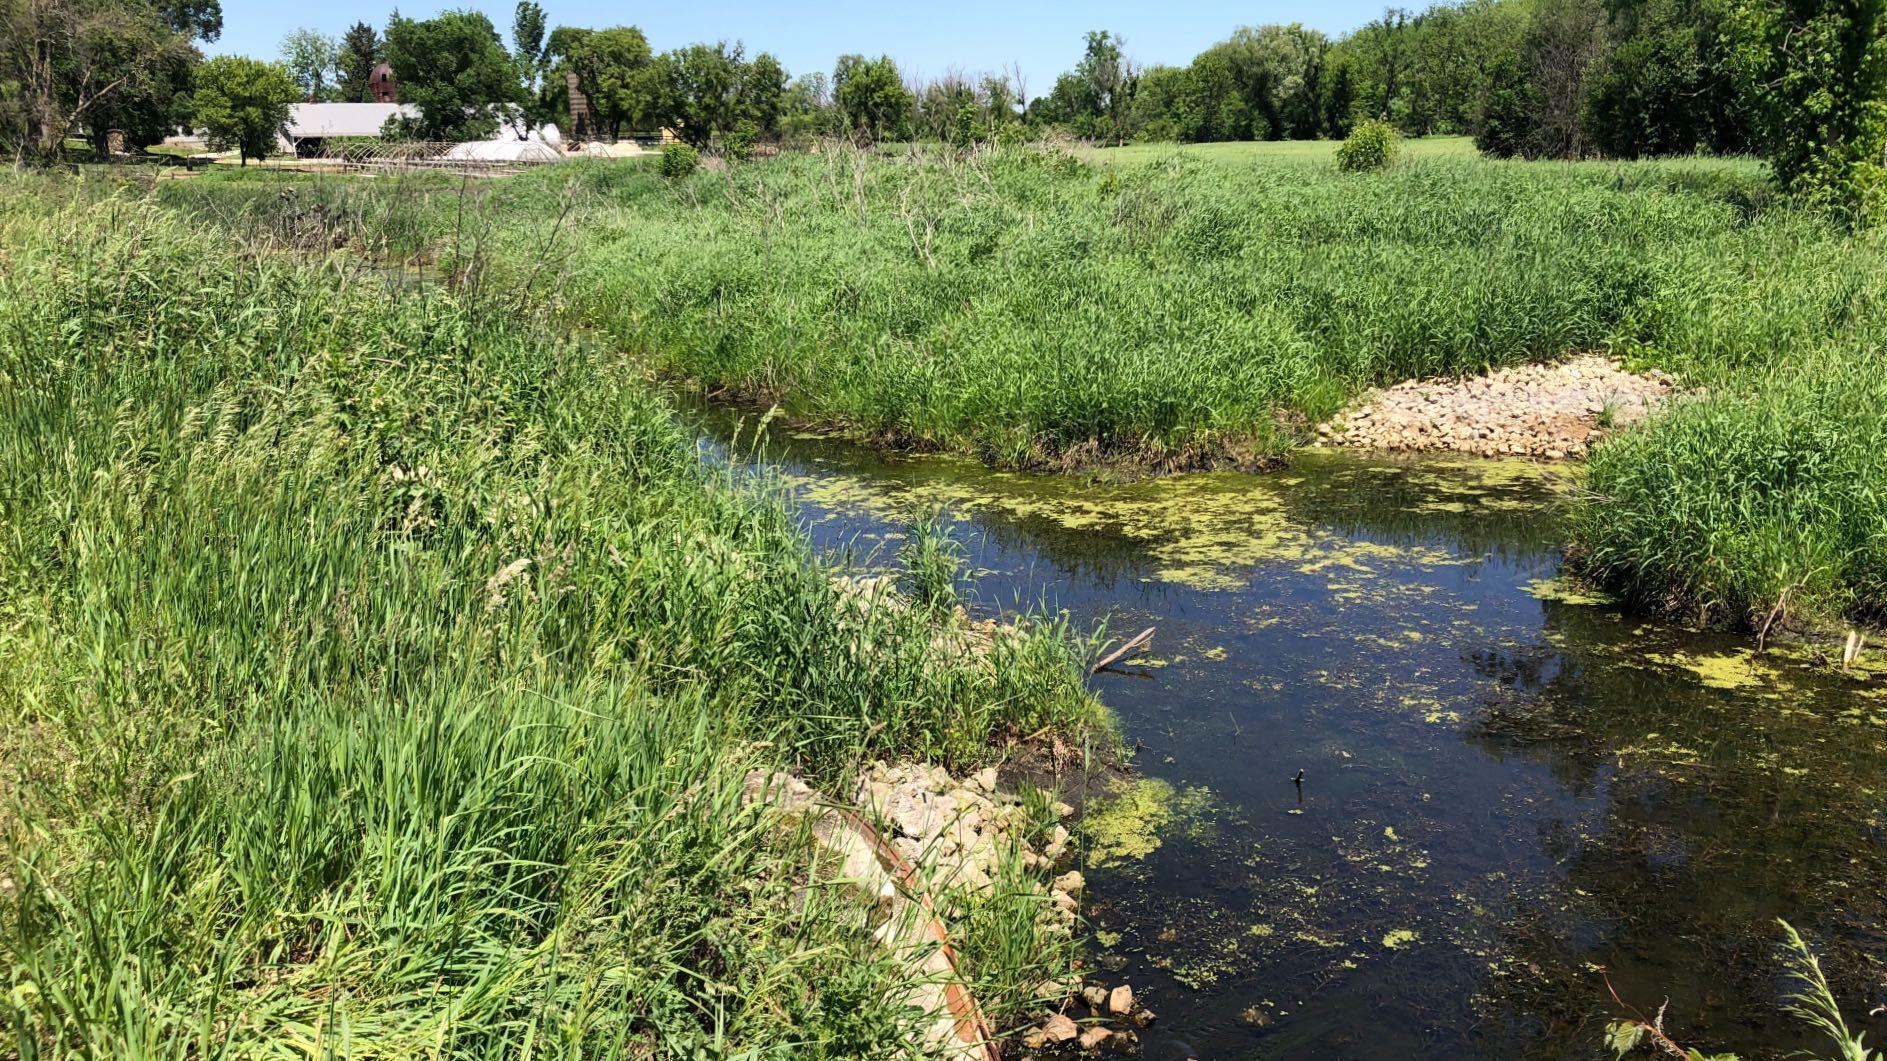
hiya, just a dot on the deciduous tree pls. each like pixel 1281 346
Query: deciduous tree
pixel 1816 72
pixel 311 57
pixel 455 70
pixel 1665 85
pixel 872 98
pixel 698 91
pixel 615 70
pixel 67 65
pixel 244 104
pixel 763 92
pixel 528 47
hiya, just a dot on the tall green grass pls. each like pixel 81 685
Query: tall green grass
pixel 1027 307
pixel 1022 304
pixel 1763 507
pixel 380 671
pixel 1041 312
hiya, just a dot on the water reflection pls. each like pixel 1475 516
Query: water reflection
pixel 1503 795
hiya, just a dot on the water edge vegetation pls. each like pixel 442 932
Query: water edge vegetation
pixel 382 669
pixel 1174 311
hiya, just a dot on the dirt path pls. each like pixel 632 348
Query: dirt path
pixel 1551 411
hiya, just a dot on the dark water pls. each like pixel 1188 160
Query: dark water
pixel 1509 796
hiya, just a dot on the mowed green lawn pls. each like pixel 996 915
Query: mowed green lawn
pixel 1257 152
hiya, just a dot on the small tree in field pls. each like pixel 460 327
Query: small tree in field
pixel 1372 145
pixel 243 103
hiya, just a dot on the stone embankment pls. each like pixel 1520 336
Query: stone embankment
pixel 1548 411
pixel 918 843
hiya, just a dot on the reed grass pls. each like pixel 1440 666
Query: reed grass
pixel 1764 506
pixel 380 669
pixel 1175 311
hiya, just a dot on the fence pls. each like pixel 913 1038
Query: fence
pixel 362 154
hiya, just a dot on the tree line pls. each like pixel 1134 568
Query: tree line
pixel 455 66
pixel 1533 78
pixel 1803 82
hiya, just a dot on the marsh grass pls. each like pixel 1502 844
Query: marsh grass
pixel 1177 311
pixel 933 561
pixel 381 670
pixel 1765 506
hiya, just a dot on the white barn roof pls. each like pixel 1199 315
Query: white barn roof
pixel 341 119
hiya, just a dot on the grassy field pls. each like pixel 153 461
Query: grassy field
pixel 380 672
pixel 1271 152
pixel 1179 308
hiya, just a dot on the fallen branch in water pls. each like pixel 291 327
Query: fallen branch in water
pixel 1140 641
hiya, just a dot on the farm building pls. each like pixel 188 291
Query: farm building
pixel 314 127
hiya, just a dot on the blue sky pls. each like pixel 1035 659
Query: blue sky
pixel 926 39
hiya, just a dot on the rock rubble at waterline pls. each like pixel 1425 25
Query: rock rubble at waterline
pixel 955 836
pixel 1552 412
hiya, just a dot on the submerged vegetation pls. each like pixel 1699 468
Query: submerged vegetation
pixel 381 672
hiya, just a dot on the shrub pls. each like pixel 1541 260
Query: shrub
pixel 737 145
pixel 679 160
pixel 1371 145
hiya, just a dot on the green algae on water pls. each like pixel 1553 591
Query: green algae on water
pixel 1399 938
pixel 1203 531
pixel 1563 590
pixel 1128 825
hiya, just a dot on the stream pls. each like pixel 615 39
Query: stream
pixel 1513 790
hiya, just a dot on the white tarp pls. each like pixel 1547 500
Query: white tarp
pixel 507 150
pixel 511 143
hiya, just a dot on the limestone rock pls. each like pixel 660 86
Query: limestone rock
pixel 1059 1029
pixel 1544 411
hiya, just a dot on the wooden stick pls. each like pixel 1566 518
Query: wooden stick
pixel 972 1027
pixel 1140 641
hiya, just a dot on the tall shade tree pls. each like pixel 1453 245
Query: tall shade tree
pixel 698 91
pixel 151 103
pixel 68 65
pixel 360 53
pixel 1816 71
pixel 763 92
pixel 871 96
pixel 528 45
pixel 311 56
pixel 1108 79
pixel 244 104
pixel 456 71
pixel 614 68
